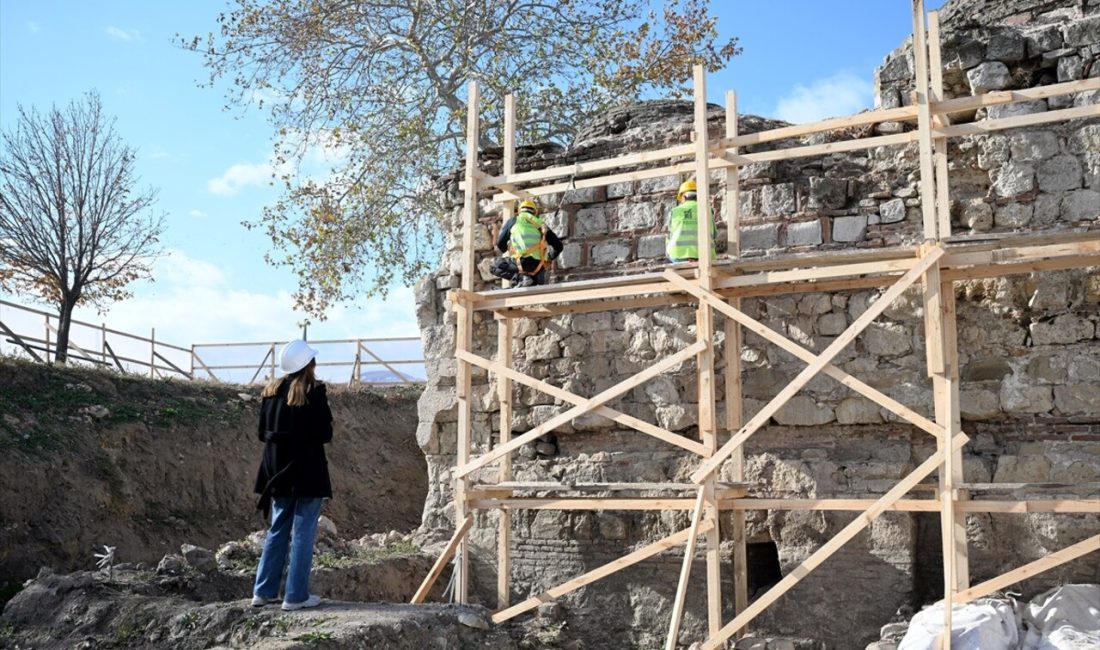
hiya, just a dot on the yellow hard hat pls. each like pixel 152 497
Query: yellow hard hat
pixel 685 187
pixel 529 205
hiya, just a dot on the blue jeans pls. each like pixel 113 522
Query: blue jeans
pixel 293 525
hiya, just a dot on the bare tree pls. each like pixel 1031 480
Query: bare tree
pixel 74 228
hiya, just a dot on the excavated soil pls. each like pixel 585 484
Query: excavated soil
pixel 90 457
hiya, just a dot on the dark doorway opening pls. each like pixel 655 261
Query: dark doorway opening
pixel 762 562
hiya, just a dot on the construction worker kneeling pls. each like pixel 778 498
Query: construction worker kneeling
pixel 683 227
pixel 530 246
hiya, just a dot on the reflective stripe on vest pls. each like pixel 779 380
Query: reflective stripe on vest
pixel 683 233
pixel 526 236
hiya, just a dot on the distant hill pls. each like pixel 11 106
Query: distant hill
pixel 385 377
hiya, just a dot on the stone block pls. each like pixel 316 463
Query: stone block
pixel 620 190
pixel 548 524
pixel 849 229
pixel 1047 210
pixel 610 252
pixel 897 68
pixel 675 417
pixel 1080 33
pixel 858 410
pixel 815 304
pixel 610 526
pixel 778 199
pixel 570 256
pixel 1007 46
pixel 582 196
pixel 590 221
pixel 1019 397
pixel 1013 215
pixel 1013 179
pixel 1092 169
pixel 991 75
pixel 802 411
pixel 1029 466
pixel 892 211
pixel 594 322
pixel 986 369
pixel 1085 139
pixel 805 233
pixel 1048 368
pixel 651 246
pixel 1033 146
pixel 976 214
pixel 887 340
pixel 828 193
pixel 979 404
pixel 659 184
pixel 993 151
pixel 831 324
pixel 1066 328
pixel 1020 108
pixel 662 391
pixel 634 216
pixel 1070 68
pixel 1043 40
pixel 1060 173
pixel 760 237
pixel 1084 367
pixel 1081 205
pixel 543 346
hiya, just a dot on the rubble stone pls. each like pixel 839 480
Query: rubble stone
pixel 991 75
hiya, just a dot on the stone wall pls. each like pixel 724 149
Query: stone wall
pixel 1028 349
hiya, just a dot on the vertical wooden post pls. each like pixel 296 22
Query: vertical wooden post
pixel 942 359
pixel 191 360
pixel 103 345
pixel 704 332
pixel 935 62
pixel 152 351
pixel 358 378
pixel 924 122
pixel 47 328
pixel 504 385
pixel 734 414
pixel 272 353
pixel 464 335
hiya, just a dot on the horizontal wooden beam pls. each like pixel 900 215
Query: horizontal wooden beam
pixel 630 559
pixel 590 503
pixel 1085 506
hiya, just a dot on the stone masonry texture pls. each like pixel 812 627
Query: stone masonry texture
pixel 1028 352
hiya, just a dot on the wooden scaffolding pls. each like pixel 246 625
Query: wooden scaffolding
pixel 719 286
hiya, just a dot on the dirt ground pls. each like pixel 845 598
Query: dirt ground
pixel 91 457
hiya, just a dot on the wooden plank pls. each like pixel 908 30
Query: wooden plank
pixel 710 465
pixel 442 560
pixel 808 356
pixel 997 97
pixel 1091 487
pixel 830 547
pixel 939 153
pixel 586 486
pixel 732 349
pixel 924 123
pixel 589 503
pixel 1090 545
pixel 949 320
pixel 603 571
pixel 605 411
pixel 685 574
pixel 15 339
pixel 590 404
pixel 1017 121
pixel 464 333
pixel 920 505
pixel 504 396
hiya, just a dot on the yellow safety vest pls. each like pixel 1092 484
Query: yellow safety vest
pixel 526 238
pixel 683 233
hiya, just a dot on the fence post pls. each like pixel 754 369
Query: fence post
pixel 152 351
pixel 358 362
pixel 192 360
pixel 272 361
pixel 103 342
pixel 47 328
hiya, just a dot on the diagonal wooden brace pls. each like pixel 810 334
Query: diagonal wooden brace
pixel 603 571
pixel 802 353
pixel 588 405
pixel 1090 545
pixel 834 544
pixel 710 465
pixel 441 561
pixel 572 398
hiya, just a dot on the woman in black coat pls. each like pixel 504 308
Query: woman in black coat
pixel 295 424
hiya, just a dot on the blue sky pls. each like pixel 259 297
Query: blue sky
pixel 802 60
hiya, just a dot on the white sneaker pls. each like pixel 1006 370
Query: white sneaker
pixel 260 601
pixel 312 601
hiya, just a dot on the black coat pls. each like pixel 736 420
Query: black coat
pixel 294 462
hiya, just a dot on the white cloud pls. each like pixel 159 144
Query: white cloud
pixel 159 154
pixel 840 94
pixel 33 27
pixel 197 214
pixel 128 36
pixel 240 175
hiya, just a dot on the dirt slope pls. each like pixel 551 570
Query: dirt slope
pixel 91 457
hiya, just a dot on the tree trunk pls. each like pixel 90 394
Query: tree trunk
pixel 64 319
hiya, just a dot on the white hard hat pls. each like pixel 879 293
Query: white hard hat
pixel 295 355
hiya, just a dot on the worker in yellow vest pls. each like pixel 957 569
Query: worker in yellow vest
pixel 683 227
pixel 531 243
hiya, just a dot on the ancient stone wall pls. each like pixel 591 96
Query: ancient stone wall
pixel 1028 350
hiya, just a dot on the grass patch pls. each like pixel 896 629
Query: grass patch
pixel 403 548
pixel 314 637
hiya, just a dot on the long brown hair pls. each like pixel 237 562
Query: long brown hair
pixel 301 383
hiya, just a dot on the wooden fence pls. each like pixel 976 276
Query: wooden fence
pixel 32 333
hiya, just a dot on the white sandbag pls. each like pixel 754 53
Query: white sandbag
pixel 1064 618
pixel 985 624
